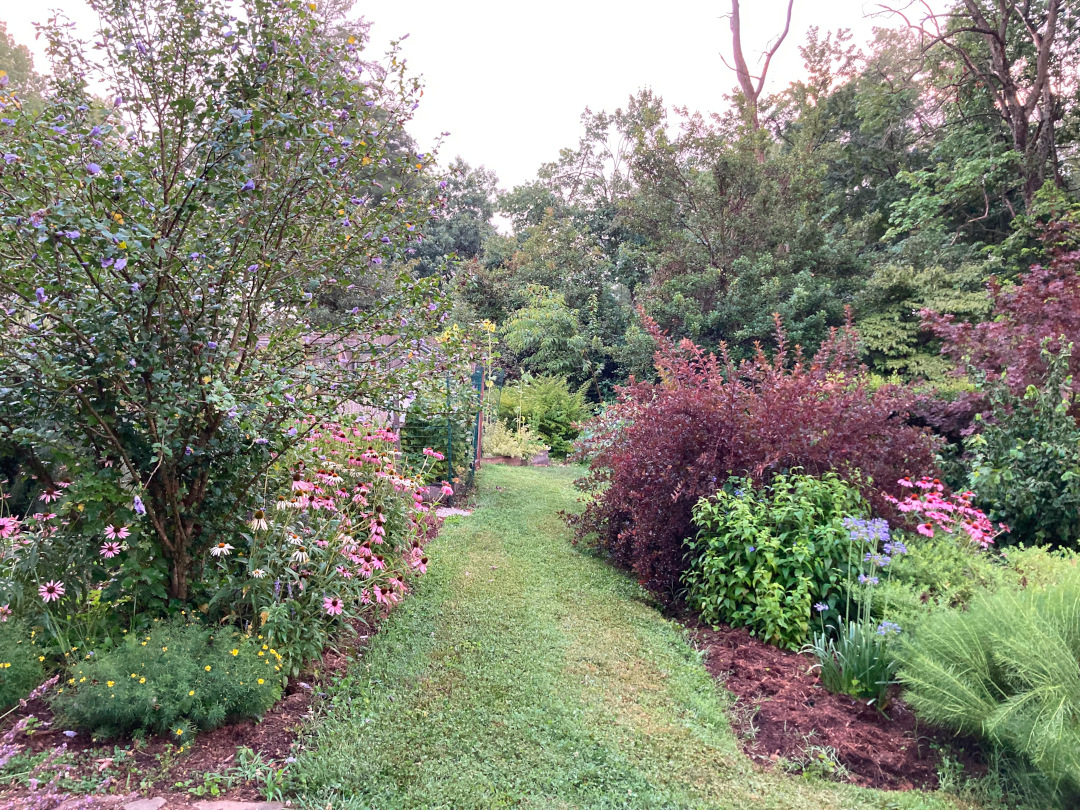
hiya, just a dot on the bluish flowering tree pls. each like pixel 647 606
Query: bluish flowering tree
pixel 161 253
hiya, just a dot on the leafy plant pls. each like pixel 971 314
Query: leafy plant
pixel 664 446
pixel 499 440
pixel 1005 670
pixel 763 556
pixel 855 660
pixel 546 405
pixel 20 669
pixel 176 680
pixel 1025 462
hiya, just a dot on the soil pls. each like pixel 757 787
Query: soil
pixel 782 709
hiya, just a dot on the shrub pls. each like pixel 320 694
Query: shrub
pixel 186 321
pixel 1006 670
pixel 762 557
pixel 175 680
pixel 546 405
pixel 499 440
pixel 20 670
pixel 856 660
pixel 1025 463
pixel 664 446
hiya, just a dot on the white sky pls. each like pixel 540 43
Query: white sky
pixel 509 79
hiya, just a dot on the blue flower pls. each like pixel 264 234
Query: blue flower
pixel 865 580
pixel 39 293
pixel 72 234
pixel 821 607
pixel 9 121
pixel 137 505
pixel 248 186
pixel 752 549
pixel 93 168
pixel 121 263
pixel 10 157
pixel 887 627
pixel 211 344
pixel 60 130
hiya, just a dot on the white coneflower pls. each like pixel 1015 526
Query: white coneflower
pixel 221 550
pixel 300 555
pixel 295 539
pixel 282 502
pixel 258 573
pixel 258 521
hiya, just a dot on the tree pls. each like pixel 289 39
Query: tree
pixel 464 222
pixel 159 268
pixel 751 92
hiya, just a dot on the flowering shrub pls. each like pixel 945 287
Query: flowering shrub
pixel 953 513
pixel 20 670
pixel 164 255
pixel 175 680
pixel 662 447
pixel 762 557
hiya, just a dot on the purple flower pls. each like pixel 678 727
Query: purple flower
pixel 752 549
pixel 4 80
pixel 121 263
pixel 252 268
pixel 60 130
pixel 135 287
pixel 821 607
pixel 10 157
pixel 107 262
pixel 261 440
pixel 39 293
pixel 137 505
pixel 187 450
pixel 93 168
pixel 290 398
pixel 376 260
pixel 291 431
pixel 888 627
pixel 248 186
pixel 96 130
pixel 72 234
pixel 432 306
pixel 865 580
pixel 9 121
pixel 118 101
pixel 385 240
pixel 211 344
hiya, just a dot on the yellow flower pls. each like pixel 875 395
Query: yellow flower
pixel 164 649
pixel 206 379
pixel 260 679
pixel 82 679
pixel 41 658
pixel 192 692
pixel 134 675
pixel 207 667
pixel 110 684
pixel 123 246
pixel 235 652
pixel 142 680
pixel 179 732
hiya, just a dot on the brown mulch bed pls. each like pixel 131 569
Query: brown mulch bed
pixel 782 709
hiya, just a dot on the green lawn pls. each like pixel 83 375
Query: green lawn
pixel 523 673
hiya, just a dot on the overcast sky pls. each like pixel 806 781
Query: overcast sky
pixel 509 80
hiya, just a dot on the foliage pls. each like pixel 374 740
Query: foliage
pixel 442 417
pixel 20 670
pixel 855 660
pixel 935 510
pixel 762 557
pixel 1005 670
pixel 161 260
pixel 176 680
pixel 1025 462
pixel 499 440
pixel 1031 323
pixel 667 445
pixel 547 406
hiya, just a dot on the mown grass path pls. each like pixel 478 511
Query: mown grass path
pixel 523 673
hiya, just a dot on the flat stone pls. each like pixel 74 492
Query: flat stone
pixel 145 804
pixel 225 804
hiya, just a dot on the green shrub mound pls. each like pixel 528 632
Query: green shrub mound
pixel 20 669
pixel 548 407
pixel 1006 670
pixel 175 680
pixel 763 557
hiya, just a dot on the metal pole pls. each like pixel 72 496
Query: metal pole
pixel 449 443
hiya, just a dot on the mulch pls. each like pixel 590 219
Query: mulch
pixel 782 709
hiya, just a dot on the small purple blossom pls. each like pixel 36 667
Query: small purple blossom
pixel 248 186
pixel 10 157
pixel 821 607
pixel 211 344
pixel 138 506
pixel 121 263
pixel 93 168
pixel 39 293
pixel 885 628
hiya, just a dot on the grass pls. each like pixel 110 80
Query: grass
pixel 523 673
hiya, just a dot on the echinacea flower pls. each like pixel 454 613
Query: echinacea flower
pixel 258 573
pixel 221 550
pixel 110 550
pixel 258 521
pixel 113 533
pixel 332 605
pixel 51 591
pixel 300 555
pixel 5 612
pixel 447 489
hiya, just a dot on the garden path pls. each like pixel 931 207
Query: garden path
pixel 526 673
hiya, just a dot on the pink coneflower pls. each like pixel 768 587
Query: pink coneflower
pixel 113 533
pixel 332 605
pixel 5 612
pixel 50 495
pixel 51 591
pixel 447 489
pixel 110 550
pixel 9 527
